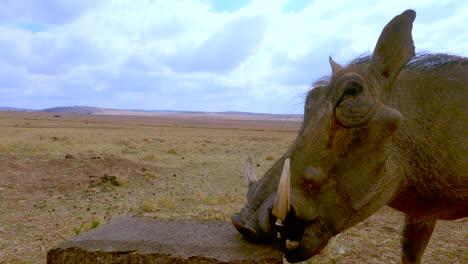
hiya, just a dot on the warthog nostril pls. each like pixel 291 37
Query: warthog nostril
pixel 245 231
pixel 235 219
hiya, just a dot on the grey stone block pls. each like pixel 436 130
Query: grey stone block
pixel 149 240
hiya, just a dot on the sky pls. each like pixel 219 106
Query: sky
pixel 197 55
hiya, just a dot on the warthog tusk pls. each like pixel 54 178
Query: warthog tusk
pixel 249 172
pixel 282 203
pixel 291 245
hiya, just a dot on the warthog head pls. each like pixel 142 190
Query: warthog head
pixel 338 171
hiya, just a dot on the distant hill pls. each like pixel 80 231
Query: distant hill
pixel 84 110
pixel 5 108
pixel 87 110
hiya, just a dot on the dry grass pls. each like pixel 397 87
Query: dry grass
pixel 162 168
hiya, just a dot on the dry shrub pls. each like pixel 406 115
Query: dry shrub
pixel 158 203
pixel 172 151
pixel 149 157
pixel 121 179
pixel 148 174
pixel 148 206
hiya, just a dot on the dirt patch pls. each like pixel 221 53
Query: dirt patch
pixel 65 174
pixel 49 200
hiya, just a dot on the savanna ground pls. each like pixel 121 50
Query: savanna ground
pixel 160 167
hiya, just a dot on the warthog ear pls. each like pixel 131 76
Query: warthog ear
pixel 395 46
pixel 336 68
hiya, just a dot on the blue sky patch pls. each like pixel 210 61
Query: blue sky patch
pixel 31 27
pixel 296 5
pixel 229 6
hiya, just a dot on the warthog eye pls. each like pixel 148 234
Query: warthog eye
pixel 354 106
pixel 352 89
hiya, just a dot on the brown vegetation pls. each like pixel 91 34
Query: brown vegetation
pixel 167 166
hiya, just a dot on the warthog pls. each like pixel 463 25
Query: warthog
pixel 387 129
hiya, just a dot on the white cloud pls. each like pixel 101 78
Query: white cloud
pixel 196 55
pixel 224 50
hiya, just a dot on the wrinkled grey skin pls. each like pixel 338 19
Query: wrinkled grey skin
pixel 373 134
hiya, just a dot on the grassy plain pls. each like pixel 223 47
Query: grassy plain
pixel 166 166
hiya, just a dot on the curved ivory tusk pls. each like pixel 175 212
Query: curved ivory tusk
pixel 291 245
pixel 249 173
pixel 282 203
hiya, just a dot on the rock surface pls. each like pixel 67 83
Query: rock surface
pixel 149 240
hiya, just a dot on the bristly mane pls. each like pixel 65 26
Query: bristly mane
pixel 429 61
pixel 422 61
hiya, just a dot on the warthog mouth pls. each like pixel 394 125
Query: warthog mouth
pixel 299 240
